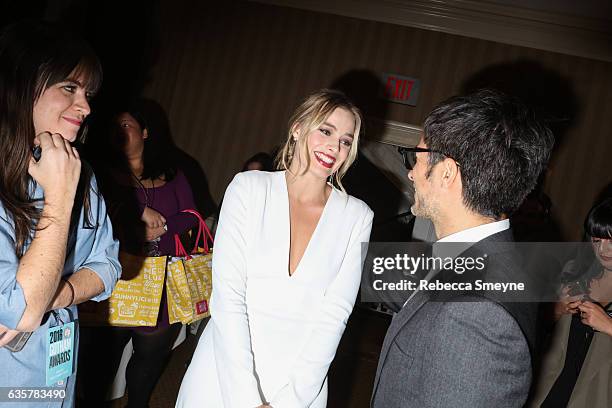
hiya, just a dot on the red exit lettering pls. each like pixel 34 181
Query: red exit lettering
pixel 397 88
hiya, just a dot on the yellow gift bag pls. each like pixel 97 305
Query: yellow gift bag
pixel 189 278
pixel 136 298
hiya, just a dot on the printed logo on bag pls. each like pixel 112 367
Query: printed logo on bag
pixel 202 307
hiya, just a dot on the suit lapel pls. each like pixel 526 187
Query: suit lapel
pixel 398 322
pixel 421 297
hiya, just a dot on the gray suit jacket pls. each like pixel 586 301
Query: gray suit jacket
pixel 469 353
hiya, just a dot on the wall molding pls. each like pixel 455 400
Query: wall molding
pixel 392 132
pixel 550 31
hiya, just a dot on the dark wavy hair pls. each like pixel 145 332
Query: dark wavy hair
pixel 500 144
pixel 160 152
pixel 34 56
pixel 598 223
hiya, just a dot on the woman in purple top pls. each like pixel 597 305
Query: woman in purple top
pixel 145 193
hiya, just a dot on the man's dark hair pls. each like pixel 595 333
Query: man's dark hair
pixel 499 143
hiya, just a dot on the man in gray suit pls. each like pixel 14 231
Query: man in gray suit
pixel 479 156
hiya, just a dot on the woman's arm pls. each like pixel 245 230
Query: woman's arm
pixel 157 225
pixel 231 334
pixel 82 285
pixel 41 266
pixel 26 293
pixel 309 371
pixel 96 262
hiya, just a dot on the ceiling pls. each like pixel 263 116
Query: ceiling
pixel 585 8
pixel 575 27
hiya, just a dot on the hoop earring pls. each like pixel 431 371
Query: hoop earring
pixel 291 150
pixel 332 178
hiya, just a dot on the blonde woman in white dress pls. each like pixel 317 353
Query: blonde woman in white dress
pixel 286 270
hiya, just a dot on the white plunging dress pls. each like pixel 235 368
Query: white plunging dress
pixel 272 336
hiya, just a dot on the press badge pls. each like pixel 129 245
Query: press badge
pixel 60 352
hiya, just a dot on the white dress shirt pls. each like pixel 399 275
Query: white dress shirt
pixel 478 233
pixel 468 237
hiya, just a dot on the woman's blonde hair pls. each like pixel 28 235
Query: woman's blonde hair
pixel 311 114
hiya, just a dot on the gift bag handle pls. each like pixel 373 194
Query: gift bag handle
pixel 179 249
pixel 203 232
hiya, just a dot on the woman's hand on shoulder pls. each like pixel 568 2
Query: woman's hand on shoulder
pixel 58 169
pixel 595 316
pixel 153 219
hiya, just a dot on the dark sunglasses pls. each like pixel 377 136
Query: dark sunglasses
pixel 409 155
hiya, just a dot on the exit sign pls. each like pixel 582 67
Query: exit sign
pixel 401 89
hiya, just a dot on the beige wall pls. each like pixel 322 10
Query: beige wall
pixel 229 76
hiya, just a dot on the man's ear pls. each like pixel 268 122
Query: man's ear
pixel 450 172
pixel 145 133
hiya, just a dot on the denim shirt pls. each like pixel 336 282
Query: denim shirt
pixel 94 249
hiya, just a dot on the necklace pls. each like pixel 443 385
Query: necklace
pixel 150 248
pixel 148 203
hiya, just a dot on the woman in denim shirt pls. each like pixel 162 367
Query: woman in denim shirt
pixel 56 241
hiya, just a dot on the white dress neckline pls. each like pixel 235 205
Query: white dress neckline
pixel 286 217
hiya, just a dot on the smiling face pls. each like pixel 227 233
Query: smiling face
pixel 62 108
pixel 330 143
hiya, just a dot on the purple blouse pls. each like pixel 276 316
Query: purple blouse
pixel 128 204
pixel 168 200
